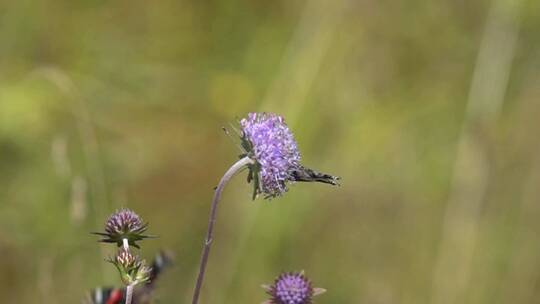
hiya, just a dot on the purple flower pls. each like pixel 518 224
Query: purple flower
pixel 124 224
pixel 292 288
pixel 267 140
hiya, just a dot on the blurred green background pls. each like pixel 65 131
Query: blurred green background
pixel 428 110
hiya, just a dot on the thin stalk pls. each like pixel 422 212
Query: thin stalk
pixel 129 288
pixel 129 293
pixel 237 167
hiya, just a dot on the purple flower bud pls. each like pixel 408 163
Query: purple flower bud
pixel 292 288
pixel 268 141
pixel 124 224
pixel 125 258
pixel 132 270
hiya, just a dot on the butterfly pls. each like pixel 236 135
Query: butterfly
pixel 141 295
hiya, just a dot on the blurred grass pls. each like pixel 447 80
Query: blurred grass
pixel 105 104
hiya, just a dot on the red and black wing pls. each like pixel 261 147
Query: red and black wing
pixel 142 294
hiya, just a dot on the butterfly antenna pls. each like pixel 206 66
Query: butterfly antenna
pixel 233 139
pixel 233 127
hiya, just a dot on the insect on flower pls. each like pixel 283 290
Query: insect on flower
pixel 271 155
pixel 142 295
pixel 266 139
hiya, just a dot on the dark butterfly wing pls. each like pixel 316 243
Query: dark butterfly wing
pixel 105 295
pixel 303 174
pixel 162 260
pixel 142 294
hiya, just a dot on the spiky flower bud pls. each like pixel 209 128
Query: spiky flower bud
pixel 124 224
pixel 125 258
pixel 292 288
pixel 267 140
pixel 132 270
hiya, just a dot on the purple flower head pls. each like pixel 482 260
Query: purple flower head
pixel 292 288
pixel 124 224
pixel 268 141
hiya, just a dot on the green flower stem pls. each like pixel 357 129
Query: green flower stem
pixel 237 167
